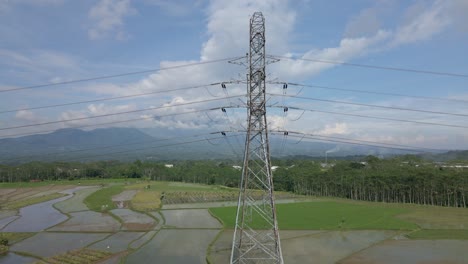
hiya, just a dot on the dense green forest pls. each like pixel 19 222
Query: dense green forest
pixel 406 179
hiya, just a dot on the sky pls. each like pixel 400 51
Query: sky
pixel 56 41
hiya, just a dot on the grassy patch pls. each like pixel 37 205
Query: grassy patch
pixel 15 237
pixel 326 215
pixel 3 249
pixel 102 199
pixel 439 234
pixel 30 201
pixel 84 255
pixel 146 200
pixel 436 217
pixel 7 239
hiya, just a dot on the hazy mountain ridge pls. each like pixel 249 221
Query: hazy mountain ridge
pixel 153 144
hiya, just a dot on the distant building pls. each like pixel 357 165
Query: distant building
pixel 237 167
pixel 169 165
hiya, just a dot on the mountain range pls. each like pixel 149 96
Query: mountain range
pixel 153 144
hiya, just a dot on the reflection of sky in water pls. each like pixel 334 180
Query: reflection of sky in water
pixel 40 216
pixel 16 259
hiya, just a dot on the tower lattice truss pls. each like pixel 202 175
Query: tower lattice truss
pixel 256 237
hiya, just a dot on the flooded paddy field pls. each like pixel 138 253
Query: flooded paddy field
pixel 412 251
pixel 189 233
pixel 48 244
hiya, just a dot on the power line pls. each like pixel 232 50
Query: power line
pixel 109 123
pixel 107 99
pixel 102 147
pixel 146 148
pixel 374 66
pixel 373 117
pixel 370 105
pixel 118 75
pixel 359 142
pixel 373 92
pixel 113 114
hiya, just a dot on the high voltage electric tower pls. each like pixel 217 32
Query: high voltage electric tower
pixel 256 238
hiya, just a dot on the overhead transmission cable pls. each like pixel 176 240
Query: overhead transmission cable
pixel 145 148
pixel 449 74
pixel 108 99
pixel 371 105
pixel 372 92
pixel 111 123
pixel 118 75
pixel 113 114
pixel 100 147
pixel 372 117
pixel 357 142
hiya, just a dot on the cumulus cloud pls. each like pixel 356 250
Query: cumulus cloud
pixel 107 17
pixel 227 32
pixel 335 129
pixel 229 37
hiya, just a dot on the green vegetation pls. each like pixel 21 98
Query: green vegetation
pixel 84 255
pixel 102 199
pixel 404 179
pixel 30 201
pixel 13 237
pixel 401 179
pixel 436 217
pixel 6 239
pixel 327 215
pixel 145 201
pixel 433 234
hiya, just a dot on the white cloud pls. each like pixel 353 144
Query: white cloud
pixel 107 17
pixel 423 24
pixel 227 28
pixel 334 129
pixel 26 115
pixel 349 48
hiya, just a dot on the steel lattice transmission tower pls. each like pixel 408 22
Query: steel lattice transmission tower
pixel 256 237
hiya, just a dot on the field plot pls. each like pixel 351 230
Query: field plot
pixel 327 215
pixel 117 242
pixel 190 218
pixel 436 217
pixel 37 217
pixel 8 195
pixel 308 246
pixel 187 246
pixel 322 230
pixel 88 221
pixel 133 220
pixel 16 259
pixel 412 251
pixel 76 203
pixel 48 244
pixel 84 255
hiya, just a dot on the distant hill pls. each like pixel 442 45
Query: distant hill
pixel 453 155
pixel 152 144
pixel 67 140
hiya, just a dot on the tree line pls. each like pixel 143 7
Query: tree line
pixel 407 179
